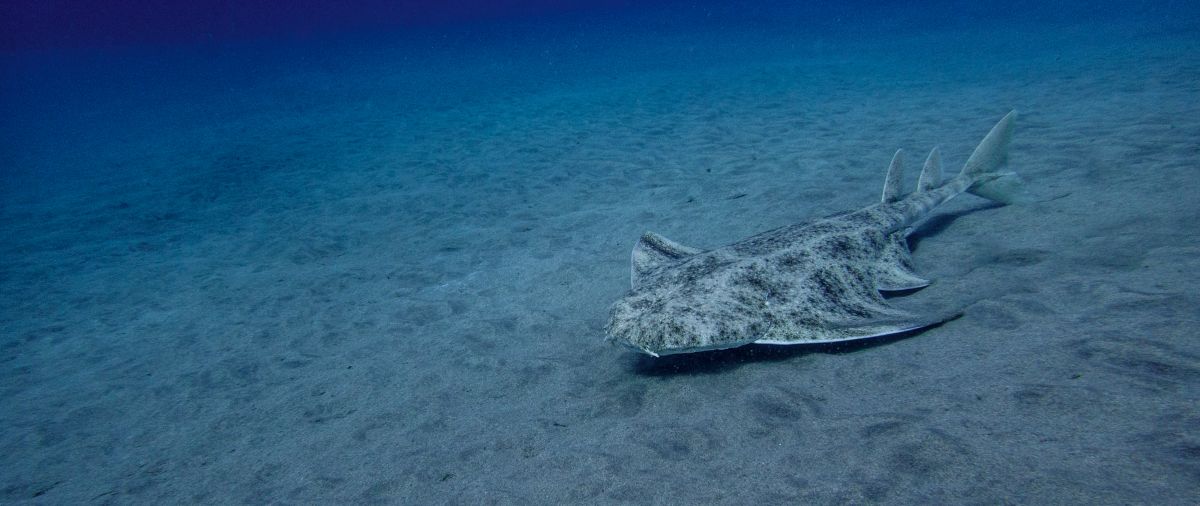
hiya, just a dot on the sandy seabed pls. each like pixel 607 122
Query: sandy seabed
pixel 329 288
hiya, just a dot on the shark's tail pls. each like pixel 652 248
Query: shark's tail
pixel 983 169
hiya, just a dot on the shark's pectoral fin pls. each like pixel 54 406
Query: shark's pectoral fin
pixel 895 322
pixel 890 324
pixel 653 251
pixel 863 319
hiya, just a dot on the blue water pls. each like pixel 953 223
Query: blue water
pixel 365 253
pixel 57 78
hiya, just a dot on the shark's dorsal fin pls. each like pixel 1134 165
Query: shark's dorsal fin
pixel 653 251
pixel 931 174
pixel 895 178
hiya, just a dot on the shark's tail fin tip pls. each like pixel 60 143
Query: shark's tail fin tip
pixel 985 163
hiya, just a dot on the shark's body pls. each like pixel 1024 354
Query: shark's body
pixel 813 282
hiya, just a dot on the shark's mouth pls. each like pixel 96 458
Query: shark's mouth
pixel 680 350
pixel 639 349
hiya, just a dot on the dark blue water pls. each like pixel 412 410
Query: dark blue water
pixel 301 252
pixel 64 61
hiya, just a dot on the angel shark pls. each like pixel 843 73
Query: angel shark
pixel 813 282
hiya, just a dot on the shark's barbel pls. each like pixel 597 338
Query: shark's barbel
pixel 812 282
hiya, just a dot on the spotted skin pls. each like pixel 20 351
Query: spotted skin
pixel 811 282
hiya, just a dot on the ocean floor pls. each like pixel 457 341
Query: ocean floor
pixel 365 275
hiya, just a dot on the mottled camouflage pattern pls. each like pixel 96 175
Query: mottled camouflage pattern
pixel 807 283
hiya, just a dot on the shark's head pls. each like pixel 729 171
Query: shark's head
pixel 657 325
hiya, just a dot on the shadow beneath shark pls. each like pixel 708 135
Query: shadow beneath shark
pixel 941 221
pixel 720 361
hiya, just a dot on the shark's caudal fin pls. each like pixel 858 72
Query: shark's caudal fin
pixel 983 167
